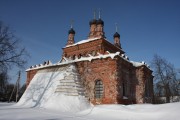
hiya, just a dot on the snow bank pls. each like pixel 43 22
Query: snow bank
pixel 41 91
pixel 135 112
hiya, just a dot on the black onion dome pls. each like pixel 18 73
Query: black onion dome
pixel 100 21
pixel 93 21
pixel 116 35
pixel 71 31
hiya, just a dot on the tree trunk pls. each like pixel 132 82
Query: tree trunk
pixel 167 93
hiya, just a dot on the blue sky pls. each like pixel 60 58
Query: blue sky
pixel 147 27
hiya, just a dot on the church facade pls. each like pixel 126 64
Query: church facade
pixel 107 74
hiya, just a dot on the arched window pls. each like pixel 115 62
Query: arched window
pixel 79 56
pixel 74 57
pixel 84 54
pixel 125 89
pixel 98 89
pixel 93 53
pixel 147 88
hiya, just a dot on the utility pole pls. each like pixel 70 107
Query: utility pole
pixel 17 85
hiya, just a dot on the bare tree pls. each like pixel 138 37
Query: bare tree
pixel 11 53
pixel 166 83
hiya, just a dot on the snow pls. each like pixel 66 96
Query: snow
pixel 84 41
pixel 172 99
pixel 137 64
pixel 68 61
pixel 42 101
pixel 41 91
pixel 100 112
pixel 89 58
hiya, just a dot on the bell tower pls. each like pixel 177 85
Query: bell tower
pixel 93 24
pixel 100 27
pixel 96 27
pixel 71 34
pixel 117 38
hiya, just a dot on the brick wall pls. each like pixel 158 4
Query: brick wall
pixel 100 69
pixel 30 75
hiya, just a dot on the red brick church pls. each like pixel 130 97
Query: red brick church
pixel 107 74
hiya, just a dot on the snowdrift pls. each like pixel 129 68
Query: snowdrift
pixel 135 112
pixel 41 91
pixel 100 112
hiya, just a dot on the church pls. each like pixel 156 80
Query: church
pixel 106 73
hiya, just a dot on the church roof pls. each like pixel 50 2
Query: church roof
pixel 110 45
pixel 116 35
pixel 84 41
pixel 93 21
pixel 100 21
pixel 71 31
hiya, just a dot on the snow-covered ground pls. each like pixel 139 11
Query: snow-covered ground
pixel 100 112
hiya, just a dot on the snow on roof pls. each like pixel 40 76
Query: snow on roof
pixel 137 64
pixel 45 64
pixel 84 41
pixel 88 40
pixel 69 60
pixel 89 58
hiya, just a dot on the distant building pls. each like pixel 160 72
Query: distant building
pixel 107 74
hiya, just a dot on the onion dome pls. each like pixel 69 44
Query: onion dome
pixel 116 35
pixel 93 21
pixel 71 31
pixel 100 21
